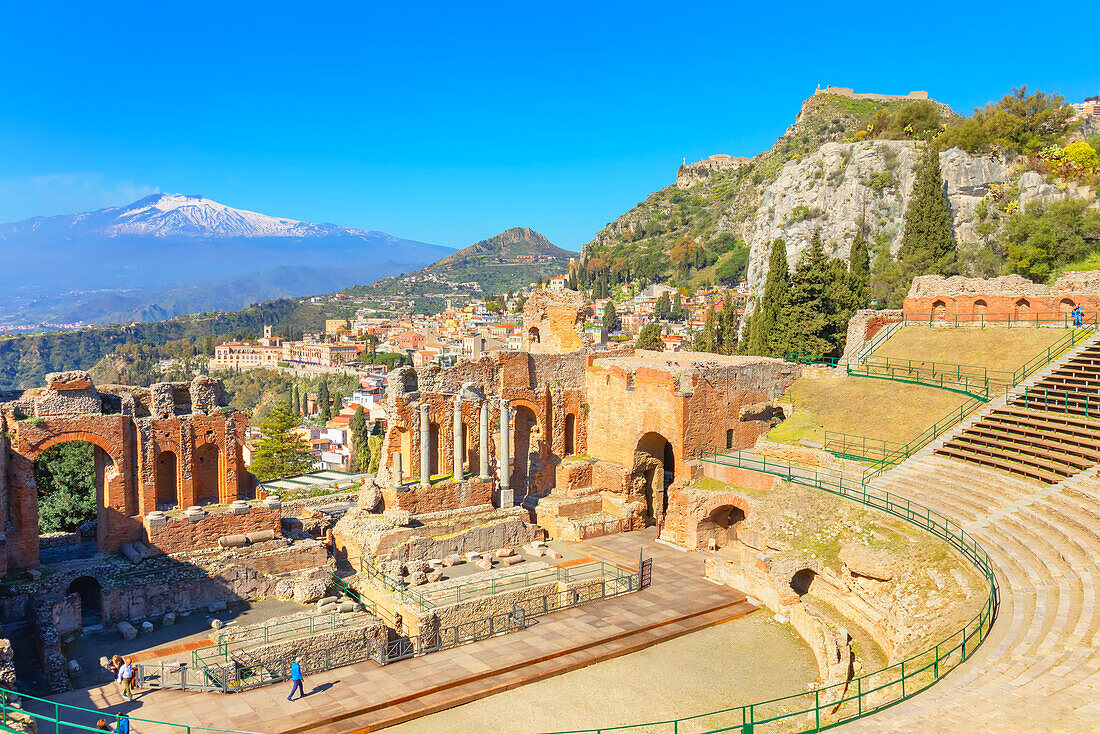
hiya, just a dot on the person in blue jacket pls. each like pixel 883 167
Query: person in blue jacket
pixel 296 677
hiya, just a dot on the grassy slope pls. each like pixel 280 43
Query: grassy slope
pixel 993 348
pixel 862 406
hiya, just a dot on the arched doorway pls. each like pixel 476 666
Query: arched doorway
pixel 980 307
pixel 802 581
pixel 1066 305
pixel 720 526
pixel 167 481
pixel 206 474
pixel 533 335
pixel 1023 309
pixel 69 481
pixel 655 463
pixel 91 599
pixel 939 310
pixel 525 435
pixel 570 434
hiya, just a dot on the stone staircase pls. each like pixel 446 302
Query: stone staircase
pixel 1047 430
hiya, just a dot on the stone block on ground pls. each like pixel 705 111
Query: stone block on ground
pixel 870 562
pixel 329 607
pixel 260 536
pixel 412 567
pixel 307 591
pixel 347 606
pixel 452 560
pixel 435 576
pixel 126 630
pixel 169 619
pixel 512 560
pixel 400 518
pixel 551 553
pixel 485 563
pixel 130 552
pixel 232 541
pixel 146 627
pixel 218 606
pixel 216 624
pixel 419 578
pixel 534 549
pixel 505 552
pixel 326 601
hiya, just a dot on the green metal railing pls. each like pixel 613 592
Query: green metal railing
pixel 1058 401
pixel 826 707
pixel 389 583
pixel 860 448
pixel 806 358
pixel 977 382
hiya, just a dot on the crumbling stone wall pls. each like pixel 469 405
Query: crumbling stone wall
pixel 196 530
pixel 862 328
pixel 1002 299
pixel 553 322
pixel 323 649
pixel 130 429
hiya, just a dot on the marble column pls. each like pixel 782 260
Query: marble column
pixel 507 499
pixel 483 435
pixel 399 479
pixel 460 450
pixel 425 447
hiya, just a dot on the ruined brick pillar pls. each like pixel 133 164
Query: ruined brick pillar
pixel 425 447
pixel 484 436
pixel 507 499
pixel 460 449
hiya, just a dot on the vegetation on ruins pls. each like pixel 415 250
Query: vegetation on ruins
pixel 65 477
pixel 280 452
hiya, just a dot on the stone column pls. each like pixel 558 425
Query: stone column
pixel 507 499
pixel 399 479
pixel 425 447
pixel 483 434
pixel 460 450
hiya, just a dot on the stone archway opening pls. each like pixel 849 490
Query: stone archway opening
pixel 803 581
pixel 91 599
pixel 980 307
pixel 1066 306
pixel 167 468
pixel 939 310
pixel 525 437
pixel 434 469
pixel 1022 308
pixel 207 471
pixel 719 527
pixel 69 479
pixel 655 463
pixel 570 434
pixel 533 335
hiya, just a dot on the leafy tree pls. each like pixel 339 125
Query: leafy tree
pixel 65 476
pixel 764 337
pixel 1020 122
pixel 650 338
pixel 208 346
pixel 280 452
pixel 359 433
pixel 1045 236
pixel 677 313
pixel 610 318
pixel 928 241
pixel 917 119
pixel 374 451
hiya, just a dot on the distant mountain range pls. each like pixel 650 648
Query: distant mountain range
pixel 508 261
pixel 170 254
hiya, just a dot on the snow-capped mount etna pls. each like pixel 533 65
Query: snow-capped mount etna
pixel 169 254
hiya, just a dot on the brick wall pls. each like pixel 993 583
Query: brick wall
pixel 178 533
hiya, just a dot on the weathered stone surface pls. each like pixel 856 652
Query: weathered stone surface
pixel 398 517
pixel 232 541
pixel 369 497
pixel 146 627
pixel 126 630
pixel 512 560
pixel 216 624
pixel 418 578
pixel 218 606
pixel 70 380
pixel 435 576
pixel 505 552
pixel 168 619
pixel 485 563
pixel 870 562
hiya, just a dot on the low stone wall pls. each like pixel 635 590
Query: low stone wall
pixel 863 327
pixel 446 495
pixel 58 540
pixel 738 477
pixel 325 649
pixel 197 529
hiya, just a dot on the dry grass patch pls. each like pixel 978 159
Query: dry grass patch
pixel 883 409
pixel 993 348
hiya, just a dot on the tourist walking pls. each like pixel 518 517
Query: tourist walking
pixel 296 677
pixel 114 664
pixel 126 678
pixel 123 726
pixel 1078 316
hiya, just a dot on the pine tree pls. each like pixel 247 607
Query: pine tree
pixel 650 338
pixel 280 452
pixel 804 322
pixel 928 241
pixel 764 337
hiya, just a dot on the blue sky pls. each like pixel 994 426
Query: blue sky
pixel 448 122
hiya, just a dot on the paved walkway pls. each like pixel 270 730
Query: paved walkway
pixel 358 697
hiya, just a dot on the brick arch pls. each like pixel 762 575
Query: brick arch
pixel 697 525
pixel 65 436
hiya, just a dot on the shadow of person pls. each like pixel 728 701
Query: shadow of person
pixel 323 687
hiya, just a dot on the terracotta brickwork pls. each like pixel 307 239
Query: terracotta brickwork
pixel 170 445
pixel 179 533
pixel 1009 298
pixel 447 495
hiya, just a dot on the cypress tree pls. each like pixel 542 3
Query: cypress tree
pixel 928 241
pixel 610 318
pixel 360 451
pixel 859 272
pixel 729 326
pixel 764 337
pixel 706 340
pixel 677 307
pixel 322 402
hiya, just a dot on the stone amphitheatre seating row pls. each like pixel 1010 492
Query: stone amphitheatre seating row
pixel 1049 431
